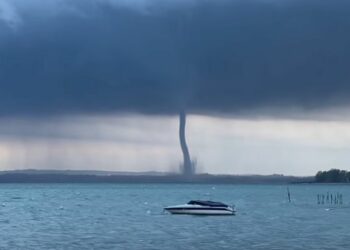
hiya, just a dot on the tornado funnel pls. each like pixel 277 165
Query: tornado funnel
pixel 187 166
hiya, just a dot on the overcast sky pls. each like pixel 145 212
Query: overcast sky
pixel 98 84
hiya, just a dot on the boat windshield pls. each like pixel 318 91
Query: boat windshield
pixel 207 203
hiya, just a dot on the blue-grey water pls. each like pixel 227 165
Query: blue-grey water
pixel 130 216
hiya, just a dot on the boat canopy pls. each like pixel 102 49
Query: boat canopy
pixel 207 203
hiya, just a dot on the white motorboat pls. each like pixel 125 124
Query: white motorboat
pixel 197 207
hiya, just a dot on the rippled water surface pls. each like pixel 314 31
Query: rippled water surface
pixel 113 216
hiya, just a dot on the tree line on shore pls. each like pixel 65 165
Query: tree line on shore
pixel 333 176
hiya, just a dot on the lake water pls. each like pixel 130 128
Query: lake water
pixel 130 216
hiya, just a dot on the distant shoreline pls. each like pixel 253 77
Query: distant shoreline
pixel 67 176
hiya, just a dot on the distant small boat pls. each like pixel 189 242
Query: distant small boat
pixel 197 207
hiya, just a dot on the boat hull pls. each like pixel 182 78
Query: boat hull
pixel 199 210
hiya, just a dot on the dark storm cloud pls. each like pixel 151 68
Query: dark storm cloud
pixel 210 56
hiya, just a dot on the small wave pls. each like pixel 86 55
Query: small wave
pixel 16 198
